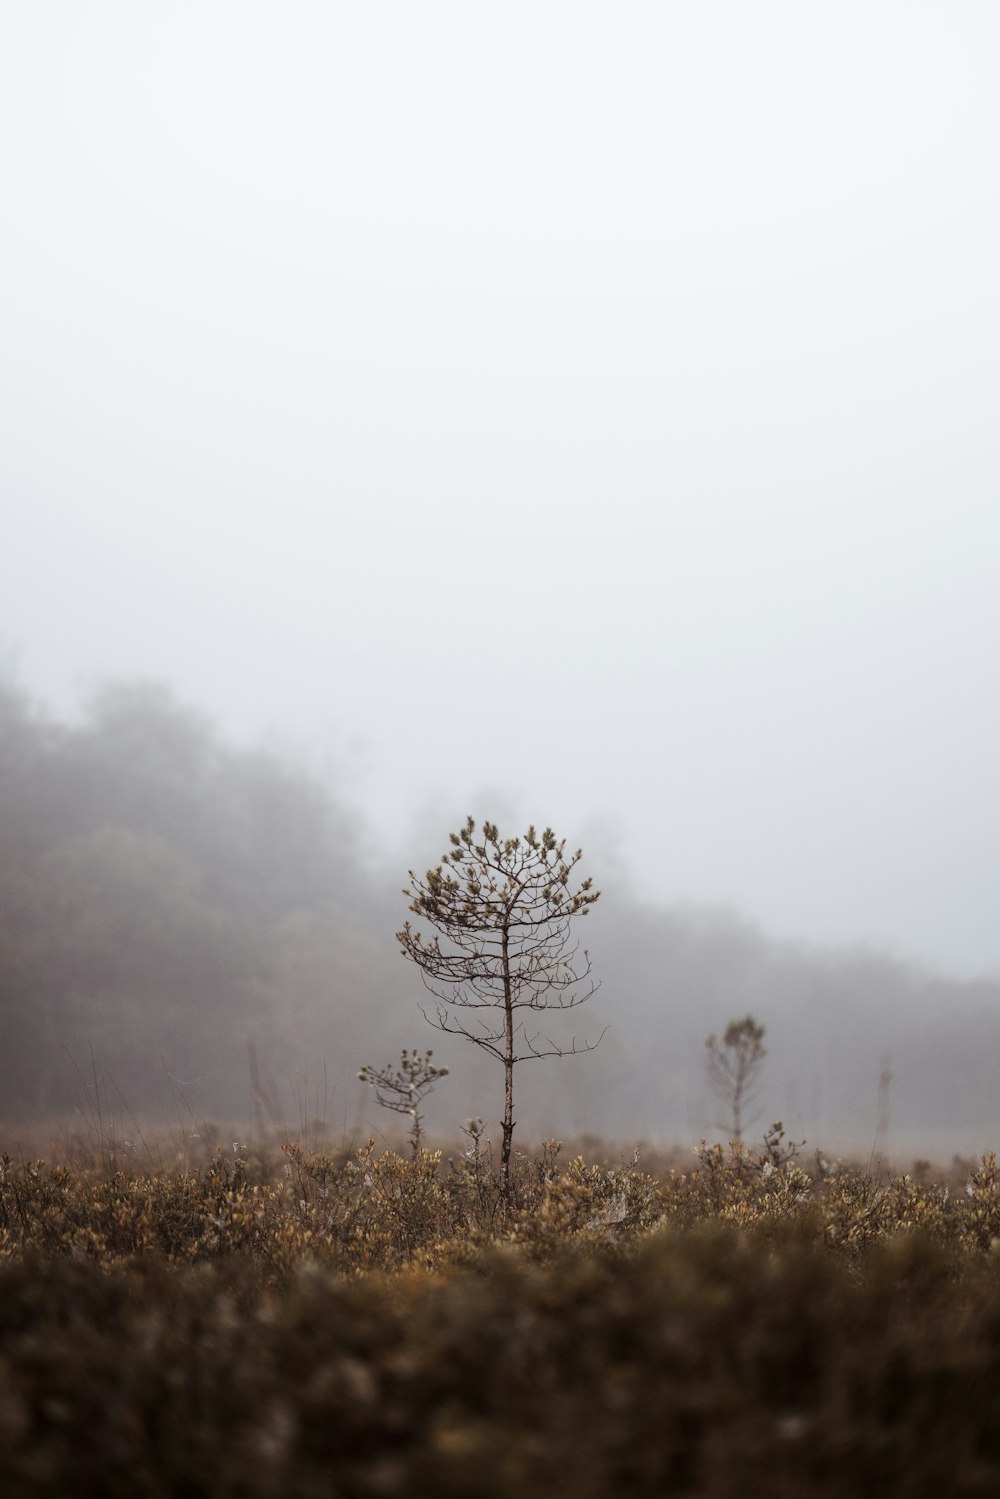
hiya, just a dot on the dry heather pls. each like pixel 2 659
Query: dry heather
pixel 374 1324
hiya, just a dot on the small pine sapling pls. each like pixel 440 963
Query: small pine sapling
pixel 404 1088
pixel 733 1068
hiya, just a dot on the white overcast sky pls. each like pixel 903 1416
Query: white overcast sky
pixel 583 411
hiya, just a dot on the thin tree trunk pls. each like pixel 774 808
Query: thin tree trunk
pixel 508 1063
pixel 738 1101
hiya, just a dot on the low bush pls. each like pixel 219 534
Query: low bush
pixel 390 1325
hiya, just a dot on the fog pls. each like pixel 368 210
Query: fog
pixel 563 415
pixel 193 933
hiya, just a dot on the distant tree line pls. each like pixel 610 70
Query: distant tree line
pixel 162 899
pixel 202 921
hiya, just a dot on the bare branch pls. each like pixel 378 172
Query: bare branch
pixel 553 1049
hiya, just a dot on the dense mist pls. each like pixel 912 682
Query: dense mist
pixel 581 412
pixel 580 416
pixel 195 931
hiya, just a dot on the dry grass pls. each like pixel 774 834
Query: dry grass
pixel 366 1323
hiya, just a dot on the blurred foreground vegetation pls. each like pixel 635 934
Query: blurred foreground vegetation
pixel 310 1322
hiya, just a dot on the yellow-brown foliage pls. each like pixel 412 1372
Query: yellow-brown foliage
pixel 385 1325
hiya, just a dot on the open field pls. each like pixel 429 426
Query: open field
pixel 369 1323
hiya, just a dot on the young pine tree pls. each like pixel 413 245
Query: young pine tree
pixel 502 953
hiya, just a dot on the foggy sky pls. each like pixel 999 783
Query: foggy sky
pixel 579 413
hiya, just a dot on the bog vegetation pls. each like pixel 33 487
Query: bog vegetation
pixel 305 1321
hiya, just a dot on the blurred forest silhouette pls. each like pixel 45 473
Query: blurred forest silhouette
pixel 171 905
